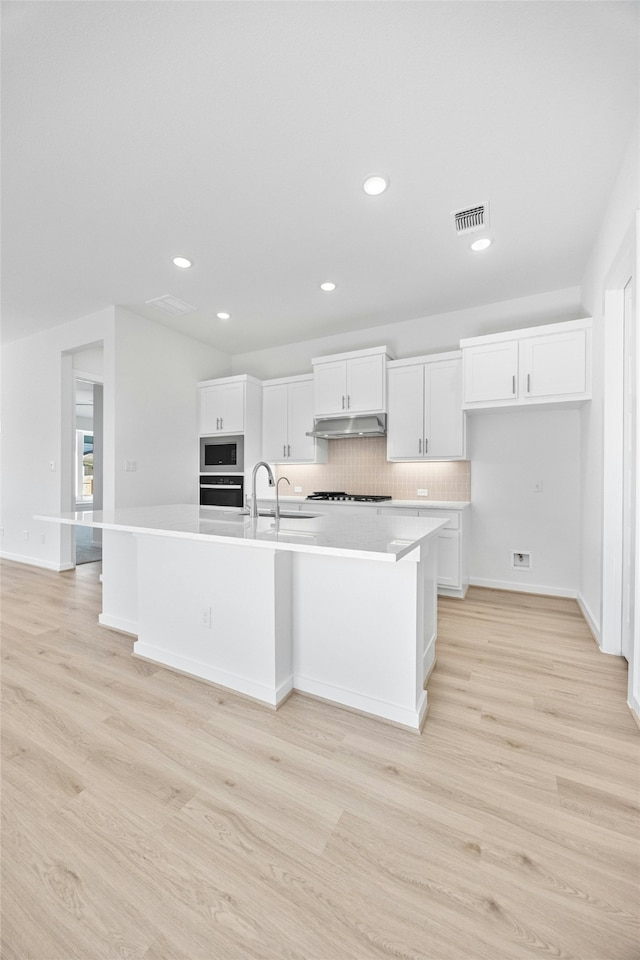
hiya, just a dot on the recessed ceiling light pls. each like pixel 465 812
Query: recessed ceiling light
pixel 223 316
pixel 182 262
pixel 481 244
pixel 375 185
pixel 328 285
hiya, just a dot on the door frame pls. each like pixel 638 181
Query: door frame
pixel 625 266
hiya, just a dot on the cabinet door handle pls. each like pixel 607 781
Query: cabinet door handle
pixel 348 401
pixel 343 401
pixel 221 421
pixel 217 423
pixel 288 449
pixel 284 449
pixel 513 384
pixel 528 383
pixel 426 445
pixel 419 446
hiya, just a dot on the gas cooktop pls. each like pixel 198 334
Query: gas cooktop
pixel 340 495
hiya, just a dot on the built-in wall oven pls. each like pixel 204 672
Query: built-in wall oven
pixel 221 454
pixel 221 491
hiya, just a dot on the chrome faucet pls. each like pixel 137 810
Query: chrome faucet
pixel 277 513
pixel 272 483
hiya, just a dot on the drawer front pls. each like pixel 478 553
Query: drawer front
pixel 451 516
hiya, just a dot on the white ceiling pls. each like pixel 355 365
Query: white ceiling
pixel 239 133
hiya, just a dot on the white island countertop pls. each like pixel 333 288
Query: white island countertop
pixel 364 535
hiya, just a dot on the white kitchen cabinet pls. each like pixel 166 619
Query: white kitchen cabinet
pixel 453 576
pixel 221 406
pixel 426 420
pixel 287 415
pixel 347 384
pixel 550 364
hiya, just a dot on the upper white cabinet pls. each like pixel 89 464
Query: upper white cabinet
pixel 287 414
pixel 221 406
pixel 550 364
pixel 350 383
pixel 426 420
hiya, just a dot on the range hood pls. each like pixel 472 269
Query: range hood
pixel 342 428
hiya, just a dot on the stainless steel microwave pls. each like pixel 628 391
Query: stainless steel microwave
pixel 222 454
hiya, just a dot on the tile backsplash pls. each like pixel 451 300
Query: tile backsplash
pixel 361 466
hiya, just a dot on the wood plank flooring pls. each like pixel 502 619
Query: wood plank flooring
pixel 152 817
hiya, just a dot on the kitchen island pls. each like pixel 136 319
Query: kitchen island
pixel 339 607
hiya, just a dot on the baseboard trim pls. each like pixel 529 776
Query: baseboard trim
pixel 634 707
pixel 272 697
pixel 36 562
pixel 591 622
pixel 542 589
pixel 130 627
pixel 380 709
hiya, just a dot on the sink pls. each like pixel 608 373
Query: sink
pixel 232 516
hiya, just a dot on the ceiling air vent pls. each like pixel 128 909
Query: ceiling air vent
pixel 171 305
pixel 472 218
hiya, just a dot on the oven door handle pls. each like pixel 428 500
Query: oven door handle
pixel 221 486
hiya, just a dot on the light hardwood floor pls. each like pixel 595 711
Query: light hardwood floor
pixel 147 815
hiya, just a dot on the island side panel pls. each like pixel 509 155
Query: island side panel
pixel 119 581
pixel 360 630
pixel 244 593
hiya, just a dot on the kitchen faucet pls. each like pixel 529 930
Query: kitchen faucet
pixel 277 511
pixel 272 483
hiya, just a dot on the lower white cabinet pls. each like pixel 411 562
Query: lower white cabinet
pixel 453 576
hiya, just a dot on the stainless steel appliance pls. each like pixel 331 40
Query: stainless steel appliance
pixel 340 495
pixel 217 491
pixel 342 428
pixel 221 454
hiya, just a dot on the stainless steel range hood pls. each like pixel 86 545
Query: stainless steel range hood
pixel 342 428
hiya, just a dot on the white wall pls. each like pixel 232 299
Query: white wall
pixel 156 371
pixel 150 375
pixel 33 399
pixel 510 450
pixel 617 220
pixel 412 338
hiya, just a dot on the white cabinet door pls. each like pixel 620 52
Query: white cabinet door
pixel 330 388
pixel 444 417
pixel 221 408
pixel 449 559
pixel 274 422
pixel 554 365
pixel 490 371
pixel 365 384
pixel 300 405
pixel 405 428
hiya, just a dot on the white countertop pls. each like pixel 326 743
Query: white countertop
pixel 413 504
pixel 366 536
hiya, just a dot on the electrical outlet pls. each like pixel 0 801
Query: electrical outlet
pixel 52 466
pixel 297 489
pixel 537 486
pixel 205 618
pixel 130 466
pixel 423 492
pixel 25 534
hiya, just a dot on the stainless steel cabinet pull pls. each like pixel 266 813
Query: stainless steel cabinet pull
pixel 221 423
pixel 348 401
pixel 528 383
pixel 217 423
pixel 513 384
pixel 426 445
pixel 284 449
pixel 288 450
pixel 343 402
pixel 419 446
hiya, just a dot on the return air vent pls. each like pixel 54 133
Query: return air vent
pixel 171 305
pixel 471 218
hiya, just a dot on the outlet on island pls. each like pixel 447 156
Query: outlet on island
pixel 423 492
